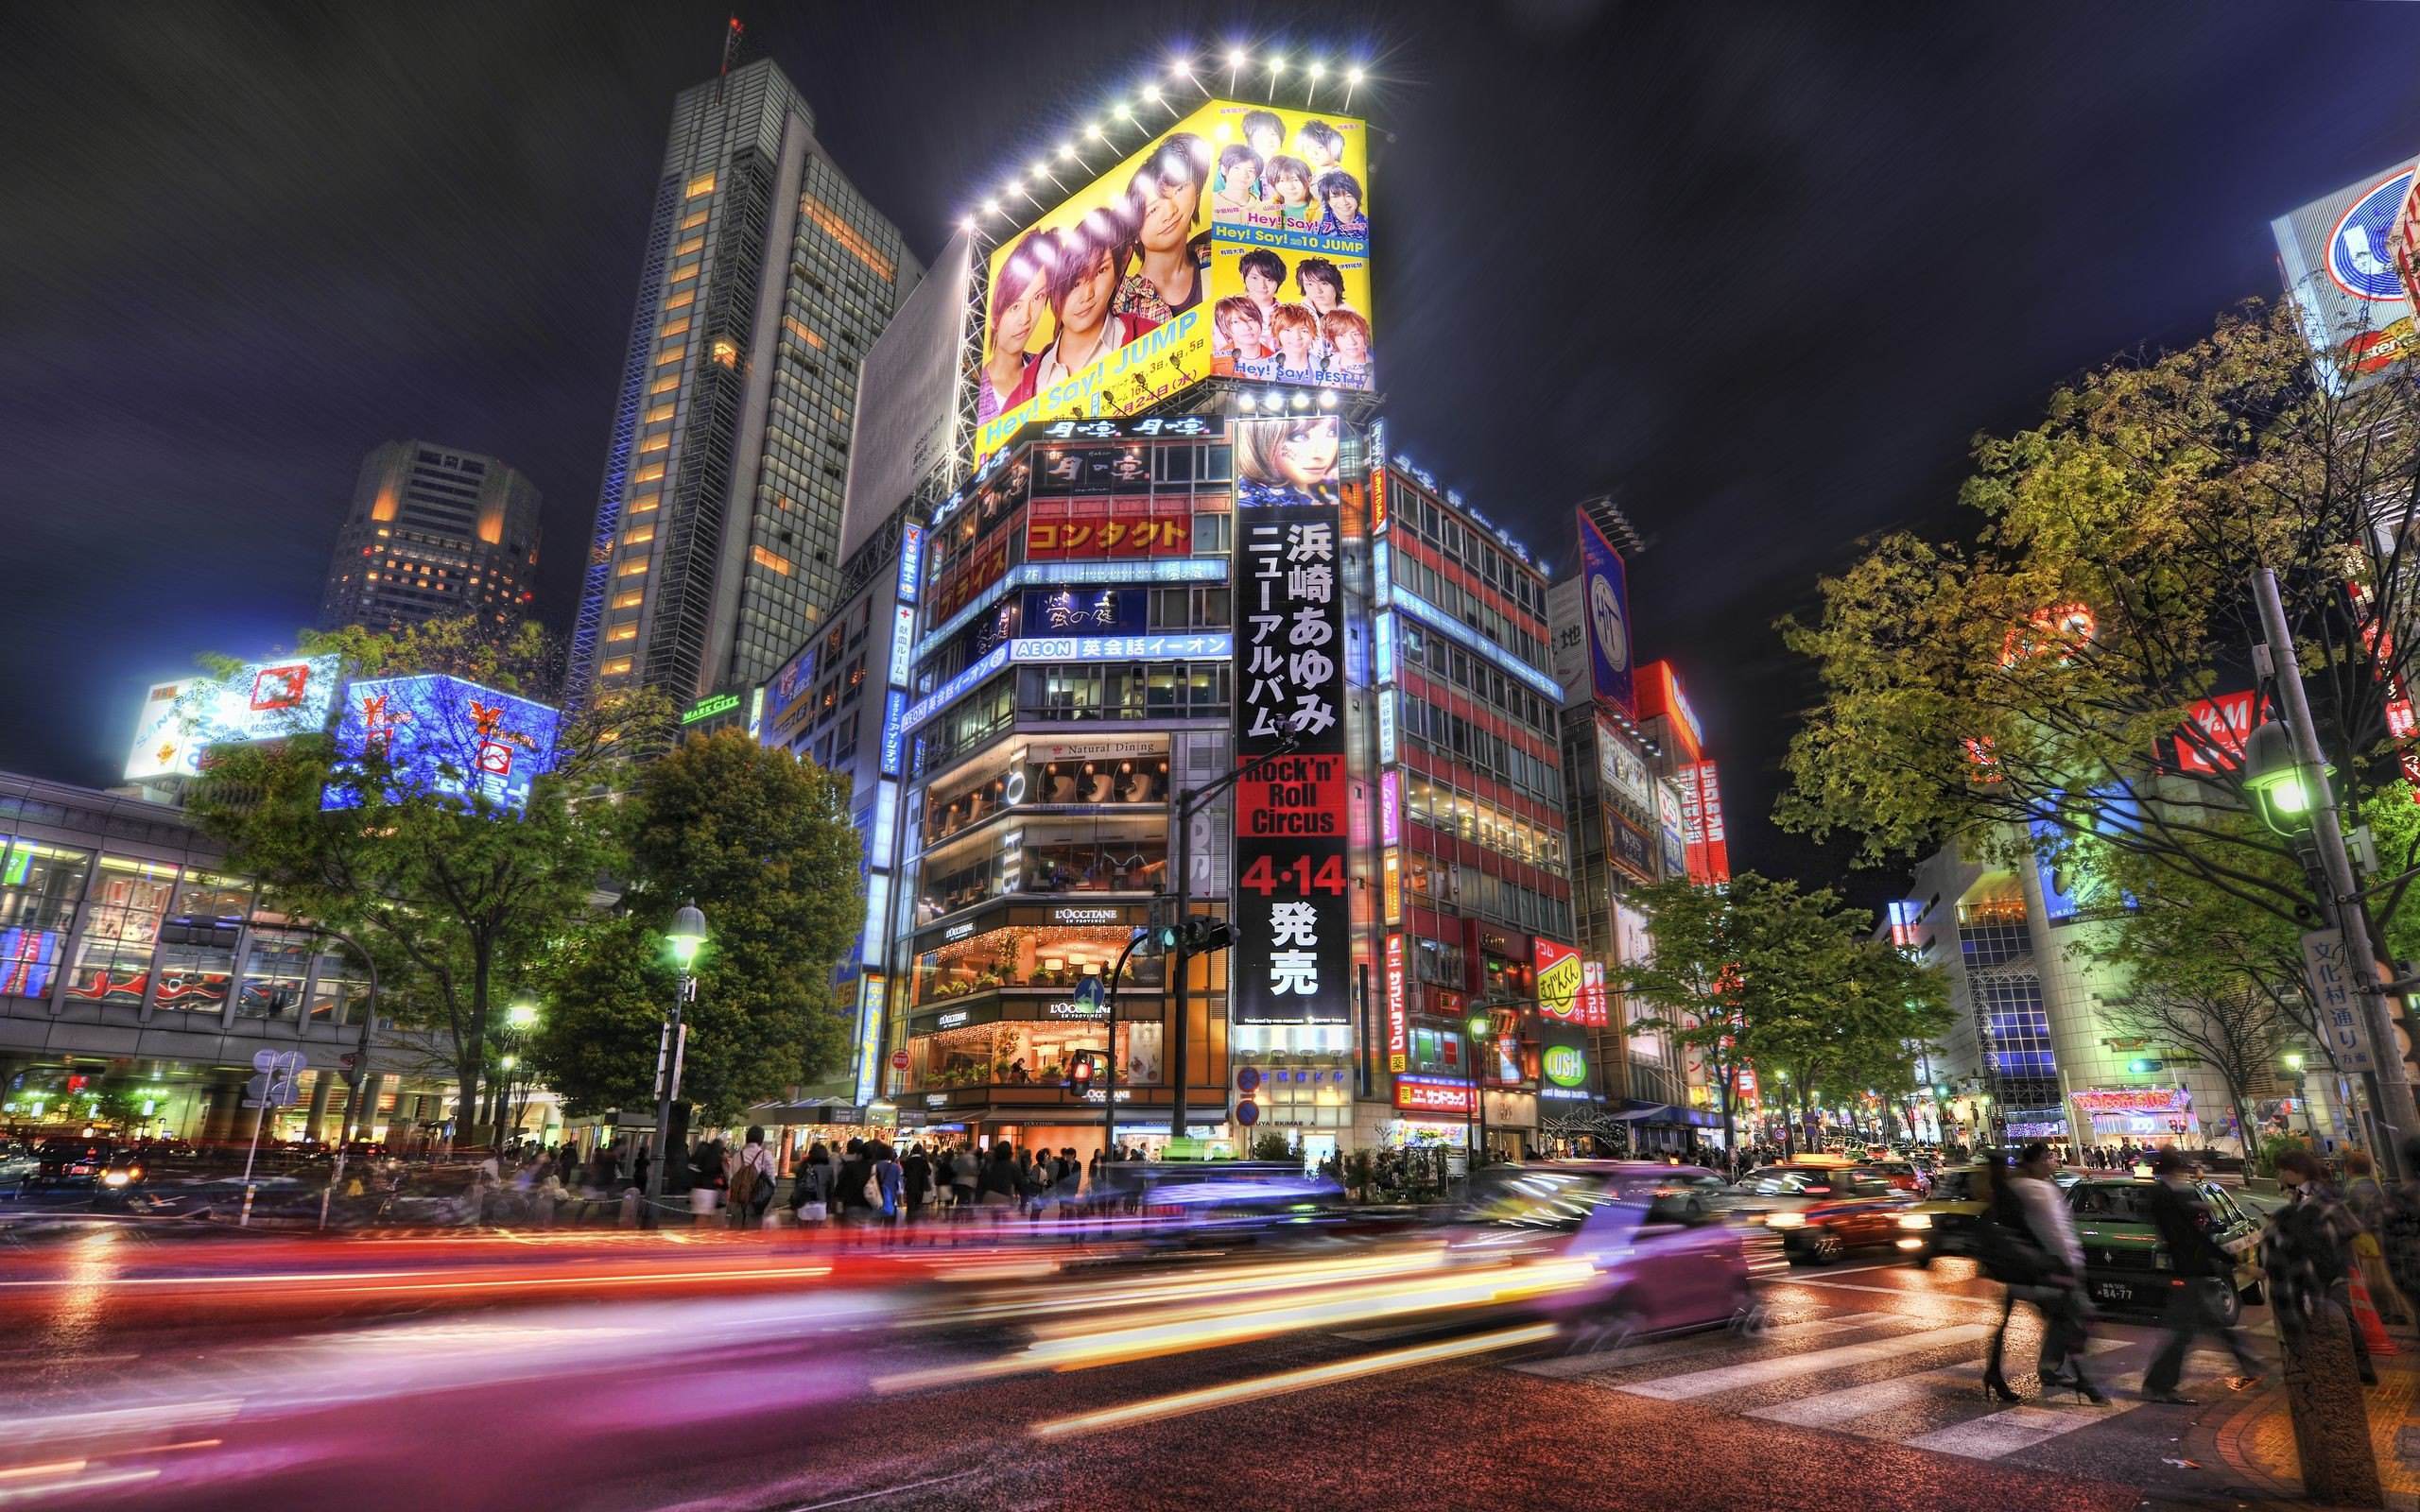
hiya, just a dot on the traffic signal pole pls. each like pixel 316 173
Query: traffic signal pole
pixel 1189 802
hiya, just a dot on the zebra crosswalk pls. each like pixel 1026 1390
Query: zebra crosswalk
pixel 1890 1377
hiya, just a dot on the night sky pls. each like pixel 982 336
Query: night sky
pixel 1764 269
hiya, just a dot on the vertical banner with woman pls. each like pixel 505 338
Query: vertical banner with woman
pixel 1236 243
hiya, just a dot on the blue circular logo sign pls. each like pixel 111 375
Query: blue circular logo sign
pixel 2357 259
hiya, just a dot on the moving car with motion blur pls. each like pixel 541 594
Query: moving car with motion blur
pixel 2125 1263
pixel 19 1166
pixel 1943 1223
pixel 1658 1258
pixel 1819 1209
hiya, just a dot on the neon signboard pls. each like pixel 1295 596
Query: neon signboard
pixel 720 704
pixel 1195 646
pixel 911 560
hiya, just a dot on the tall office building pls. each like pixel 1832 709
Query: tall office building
pixel 435 532
pixel 766 277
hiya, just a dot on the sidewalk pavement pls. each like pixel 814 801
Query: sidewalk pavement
pixel 2253 1438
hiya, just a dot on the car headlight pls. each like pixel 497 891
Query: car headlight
pixel 1916 1220
pixel 118 1179
pixel 1785 1220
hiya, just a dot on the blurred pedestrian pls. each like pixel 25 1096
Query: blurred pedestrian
pixel 2029 1244
pixel 707 1179
pixel 916 1172
pixel 1000 1181
pixel 2182 1220
pixel 2307 1253
pixel 2398 1231
pixel 887 1179
pixel 2367 1198
pixel 964 1172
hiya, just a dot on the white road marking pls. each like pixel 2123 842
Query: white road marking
pixel 2005 1433
pixel 1600 1360
pixel 1780 1367
pixel 1882 1396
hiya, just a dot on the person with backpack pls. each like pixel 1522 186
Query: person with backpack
pixel 811 1186
pixel 752 1179
pixel 2183 1219
pixel 2307 1252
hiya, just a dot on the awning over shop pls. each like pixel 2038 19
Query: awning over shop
pixel 1634 1111
pixel 811 1111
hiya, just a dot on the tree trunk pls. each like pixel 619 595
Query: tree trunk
pixel 471 1055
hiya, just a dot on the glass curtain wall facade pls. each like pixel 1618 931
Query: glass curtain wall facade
pixel 132 962
pixel 767 278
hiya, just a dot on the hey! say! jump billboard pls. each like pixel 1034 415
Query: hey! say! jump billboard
pixel 1237 242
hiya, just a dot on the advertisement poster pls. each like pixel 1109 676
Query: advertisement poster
pixel 1707 844
pixel 1243 228
pixel 1291 916
pixel 436 736
pixel 1676 844
pixel 1558 980
pixel 261 700
pixel 2338 258
pixel 1607 619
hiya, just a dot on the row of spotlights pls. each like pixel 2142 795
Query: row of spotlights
pixel 1180 68
pixel 1273 404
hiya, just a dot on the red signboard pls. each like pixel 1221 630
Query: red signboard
pixel 1558 979
pixel 1425 1094
pixel 962 581
pixel 1293 798
pixel 1117 528
pixel 2220 726
pixel 1702 828
pixel 1659 693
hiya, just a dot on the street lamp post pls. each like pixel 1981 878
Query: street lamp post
pixel 518 1021
pixel 2287 776
pixel 687 937
pixel 1187 803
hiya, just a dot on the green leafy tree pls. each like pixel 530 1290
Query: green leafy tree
pixel 1767 974
pixel 2044 677
pixel 456 898
pixel 764 846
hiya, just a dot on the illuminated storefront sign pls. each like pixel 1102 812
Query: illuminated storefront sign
pixel 895 711
pixel 261 700
pixel 870 996
pixel 1391 884
pixel 1386 727
pixel 2134 1100
pixel 1565 1065
pixel 441 737
pixel 1292 921
pixel 1398 1017
pixel 902 645
pixel 706 708
pixel 1053 530
pixel 1471 640
pixel 1433 1094
pixel 955 689
pixel 1391 807
pixel 912 560
pixel 1196 645
pixel 1075 575
pixel 1382 639
pixel 1594 1009
pixel 1605 584
pixel 1558 967
pixel 1105 612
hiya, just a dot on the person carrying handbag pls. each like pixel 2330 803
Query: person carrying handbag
pixel 2029 1244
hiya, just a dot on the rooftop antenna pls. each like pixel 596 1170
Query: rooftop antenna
pixel 731 34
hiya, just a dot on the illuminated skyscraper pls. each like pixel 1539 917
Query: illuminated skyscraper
pixel 766 277
pixel 435 532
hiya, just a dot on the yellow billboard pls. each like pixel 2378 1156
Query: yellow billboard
pixel 1236 242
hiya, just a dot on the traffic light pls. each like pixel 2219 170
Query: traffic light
pixel 1077 1077
pixel 1195 934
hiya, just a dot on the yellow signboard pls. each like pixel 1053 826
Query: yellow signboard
pixel 1236 242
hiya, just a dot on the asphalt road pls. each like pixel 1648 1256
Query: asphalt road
pixel 780 1379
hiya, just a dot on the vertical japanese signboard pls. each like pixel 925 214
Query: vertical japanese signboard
pixel 1290 914
pixel 2333 994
